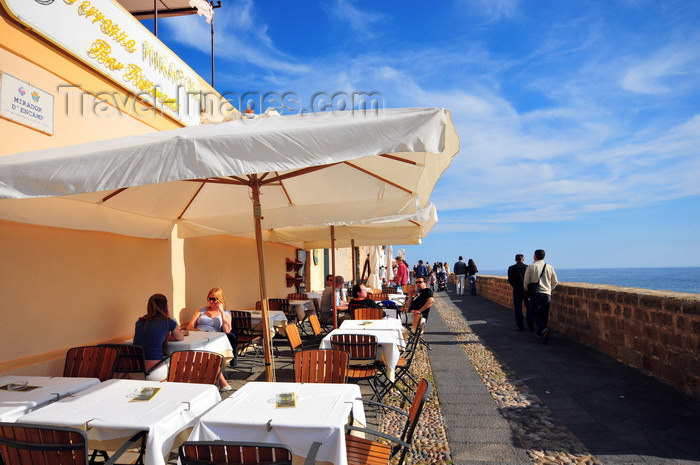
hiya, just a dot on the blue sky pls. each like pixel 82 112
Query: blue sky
pixel 579 120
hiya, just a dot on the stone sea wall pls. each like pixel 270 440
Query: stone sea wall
pixel 656 332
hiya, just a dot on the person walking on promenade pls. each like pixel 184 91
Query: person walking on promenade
pixel 515 279
pixel 420 270
pixel 401 278
pixel 472 270
pixel 460 271
pixel 545 278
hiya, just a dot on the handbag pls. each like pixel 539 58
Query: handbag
pixel 534 288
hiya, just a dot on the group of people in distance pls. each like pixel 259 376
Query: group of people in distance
pixel 417 302
pixel 157 326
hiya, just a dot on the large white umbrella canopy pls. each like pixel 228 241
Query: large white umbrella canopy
pixel 400 229
pixel 313 169
pixel 298 170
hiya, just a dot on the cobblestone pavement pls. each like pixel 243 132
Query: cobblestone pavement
pixel 546 440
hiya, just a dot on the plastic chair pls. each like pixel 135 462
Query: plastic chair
pixel 90 362
pixel 367 313
pixel 29 444
pixel 321 366
pixel 240 453
pixel 363 451
pixel 362 351
pixel 195 366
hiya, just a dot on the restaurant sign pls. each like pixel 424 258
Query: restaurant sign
pixel 25 104
pixel 106 37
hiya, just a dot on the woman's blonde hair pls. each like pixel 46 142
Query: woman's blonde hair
pixel 219 294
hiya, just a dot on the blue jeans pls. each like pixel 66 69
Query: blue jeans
pixel 472 284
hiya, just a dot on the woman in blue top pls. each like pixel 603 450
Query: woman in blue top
pixel 213 318
pixel 151 332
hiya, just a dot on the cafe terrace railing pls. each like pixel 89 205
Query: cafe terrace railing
pixel 656 332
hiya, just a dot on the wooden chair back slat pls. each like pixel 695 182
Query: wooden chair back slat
pixel 293 336
pixel 321 366
pixel 195 366
pixel 379 296
pixel 297 296
pixel 130 358
pixel 360 347
pixel 315 325
pixel 367 313
pixel 27 444
pixel 234 453
pixel 90 362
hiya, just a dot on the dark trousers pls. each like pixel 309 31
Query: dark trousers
pixel 518 298
pixel 539 307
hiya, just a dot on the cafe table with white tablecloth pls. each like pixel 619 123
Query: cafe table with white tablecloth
pixel 20 395
pixel 320 415
pixel 303 308
pixel 203 340
pixel 391 324
pixel 111 413
pixel 390 344
pixel 210 341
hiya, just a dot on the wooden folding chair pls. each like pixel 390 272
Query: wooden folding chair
pixel 195 366
pixel 240 453
pixel 364 366
pixel 367 313
pixel 29 444
pixel 321 366
pixel 246 336
pixel 90 362
pixel 293 337
pixel 364 451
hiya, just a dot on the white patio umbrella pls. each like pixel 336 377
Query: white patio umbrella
pixel 400 229
pixel 301 169
pixel 389 263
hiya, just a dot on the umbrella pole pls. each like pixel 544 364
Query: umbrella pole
pixel 333 299
pixel 257 215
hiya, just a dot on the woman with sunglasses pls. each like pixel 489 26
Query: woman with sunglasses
pixel 214 318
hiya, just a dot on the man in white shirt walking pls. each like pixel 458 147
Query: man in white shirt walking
pixel 545 277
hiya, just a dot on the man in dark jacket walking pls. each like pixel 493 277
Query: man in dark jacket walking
pixel 515 279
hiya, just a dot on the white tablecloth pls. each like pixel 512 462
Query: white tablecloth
pixel 14 404
pixel 203 340
pixel 275 317
pixel 375 325
pixel 302 308
pixel 320 414
pixel 110 414
pixel 390 344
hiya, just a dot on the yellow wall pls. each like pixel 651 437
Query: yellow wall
pixel 62 288
pixel 231 263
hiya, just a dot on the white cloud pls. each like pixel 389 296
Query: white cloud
pixel 666 69
pixel 360 21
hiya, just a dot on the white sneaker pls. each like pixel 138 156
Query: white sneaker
pixel 226 389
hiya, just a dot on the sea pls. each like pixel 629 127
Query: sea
pixel 681 279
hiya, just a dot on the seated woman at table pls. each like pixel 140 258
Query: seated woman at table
pixel 213 318
pixel 151 332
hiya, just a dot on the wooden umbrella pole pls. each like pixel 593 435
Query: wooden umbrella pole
pixel 333 299
pixel 257 215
